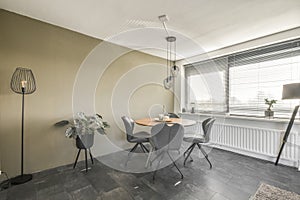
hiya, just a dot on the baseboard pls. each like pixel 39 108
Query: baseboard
pixel 283 161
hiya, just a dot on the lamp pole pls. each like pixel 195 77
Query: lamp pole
pixel 287 133
pixel 22 130
pixel 289 91
pixel 23 178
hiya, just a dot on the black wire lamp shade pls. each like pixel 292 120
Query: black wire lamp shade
pixel 23 79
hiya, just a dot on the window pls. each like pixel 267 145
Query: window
pixel 206 85
pixel 239 83
pixel 250 84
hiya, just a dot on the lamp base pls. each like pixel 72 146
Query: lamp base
pixel 21 179
pixel 4 185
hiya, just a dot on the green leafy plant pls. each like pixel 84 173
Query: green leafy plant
pixel 83 125
pixel 270 103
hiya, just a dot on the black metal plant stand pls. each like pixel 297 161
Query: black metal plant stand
pixel 23 178
pixel 86 147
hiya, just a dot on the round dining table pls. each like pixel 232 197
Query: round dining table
pixel 154 121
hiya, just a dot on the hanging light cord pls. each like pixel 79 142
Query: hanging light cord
pixel 175 51
pixel 171 44
pixel 165 27
pixel 168 47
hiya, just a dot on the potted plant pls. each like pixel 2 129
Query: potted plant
pixel 83 129
pixel 269 112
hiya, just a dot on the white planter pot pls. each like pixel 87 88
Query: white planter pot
pixel 269 113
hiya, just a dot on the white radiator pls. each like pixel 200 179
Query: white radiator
pixel 256 140
pixel 261 143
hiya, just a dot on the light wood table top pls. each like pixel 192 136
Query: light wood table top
pixel 153 122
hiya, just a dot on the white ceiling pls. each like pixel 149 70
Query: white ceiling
pixel 200 25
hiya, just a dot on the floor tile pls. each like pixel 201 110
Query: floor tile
pixel 117 194
pixel 233 177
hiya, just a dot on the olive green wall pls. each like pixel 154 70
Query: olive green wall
pixel 55 54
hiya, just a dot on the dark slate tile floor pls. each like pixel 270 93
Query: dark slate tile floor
pixel 233 177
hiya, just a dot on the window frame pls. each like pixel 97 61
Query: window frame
pixel 273 50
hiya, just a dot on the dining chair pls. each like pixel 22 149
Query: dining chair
pixel 173 115
pixel 164 139
pixel 138 138
pixel 199 140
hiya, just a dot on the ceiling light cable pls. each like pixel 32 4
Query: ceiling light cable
pixel 165 27
pixel 172 69
pixel 164 19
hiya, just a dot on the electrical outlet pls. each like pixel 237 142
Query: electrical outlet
pixel 0 172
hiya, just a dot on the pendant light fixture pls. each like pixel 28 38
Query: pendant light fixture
pixel 172 68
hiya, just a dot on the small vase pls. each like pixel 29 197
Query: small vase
pixel 193 110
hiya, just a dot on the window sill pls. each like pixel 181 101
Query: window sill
pixel 240 117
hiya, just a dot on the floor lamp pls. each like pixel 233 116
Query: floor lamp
pixel 22 82
pixel 290 91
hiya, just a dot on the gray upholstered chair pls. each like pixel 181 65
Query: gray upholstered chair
pixel 173 115
pixel 138 138
pixel 206 127
pixel 166 138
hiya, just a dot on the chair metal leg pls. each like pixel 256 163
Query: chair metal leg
pixel 158 164
pixel 76 158
pixel 193 146
pixel 149 157
pixel 175 165
pixel 191 159
pixel 144 147
pixel 188 149
pixel 86 163
pixel 91 156
pixel 205 155
pixel 156 157
pixel 130 153
pixel 133 148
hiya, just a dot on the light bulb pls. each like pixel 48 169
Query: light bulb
pixel 168 82
pixel 174 70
